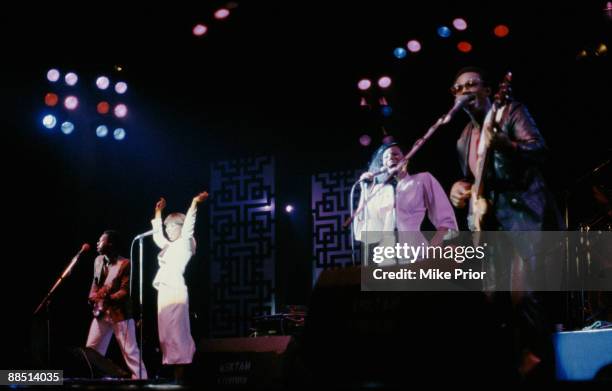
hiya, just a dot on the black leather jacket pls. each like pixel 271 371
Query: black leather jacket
pixel 514 184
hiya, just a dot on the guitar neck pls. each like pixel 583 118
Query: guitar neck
pixel 481 161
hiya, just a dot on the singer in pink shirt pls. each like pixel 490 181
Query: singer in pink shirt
pixel 400 202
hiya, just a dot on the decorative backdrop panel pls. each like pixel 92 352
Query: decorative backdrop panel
pixel 331 243
pixel 242 244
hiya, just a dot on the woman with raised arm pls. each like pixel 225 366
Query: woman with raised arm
pixel 177 248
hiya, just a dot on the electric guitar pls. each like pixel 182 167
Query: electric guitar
pixel 479 205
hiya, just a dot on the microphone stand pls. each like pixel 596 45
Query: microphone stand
pixel 47 301
pixel 351 219
pixel 140 302
pixel 579 265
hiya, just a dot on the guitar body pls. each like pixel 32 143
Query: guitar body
pixel 479 205
pixel 99 306
pixel 98 309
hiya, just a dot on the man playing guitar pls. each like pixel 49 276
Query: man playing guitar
pixel 500 151
pixel 109 295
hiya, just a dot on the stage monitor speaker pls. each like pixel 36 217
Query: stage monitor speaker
pixel 260 362
pixel 88 363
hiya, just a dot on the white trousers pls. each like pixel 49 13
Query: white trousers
pixel 100 333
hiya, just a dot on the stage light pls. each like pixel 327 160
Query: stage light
pixel 464 46
pixel 51 99
pixel 365 140
pixel 53 75
pixel 388 139
pixel 102 82
pixel 289 208
pixel 119 134
pixel 382 101
pixel 601 49
pixel 121 87
pixel 67 127
pixel 71 102
pixel 199 30
pixel 386 111
pixel 221 13
pixel 460 24
pixel 49 121
pixel 71 78
pixel 414 46
pixel 120 110
pixel 501 31
pixel 444 31
pixel 400 52
pixel 364 84
pixel 103 107
pixel 384 82
pixel 363 102
pixel 101 131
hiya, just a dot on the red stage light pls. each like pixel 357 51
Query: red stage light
pixel 501 31
pixel 103 107
pixel 464 46
pixel 51 99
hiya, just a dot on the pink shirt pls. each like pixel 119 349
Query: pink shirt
pixel 417 195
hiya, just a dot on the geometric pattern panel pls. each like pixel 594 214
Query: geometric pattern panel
pixel 331 243
pixel 242 244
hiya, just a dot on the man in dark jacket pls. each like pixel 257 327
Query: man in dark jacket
pixel 518 196
pixel 518 200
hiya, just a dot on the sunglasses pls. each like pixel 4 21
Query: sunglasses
pixel 459 88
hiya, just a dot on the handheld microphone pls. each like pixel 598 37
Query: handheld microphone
pixel 383 170
pixel 145 234
pixel 460 103
pixel 84 248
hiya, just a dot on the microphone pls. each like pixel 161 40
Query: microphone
pixel 383 170
pixel 84 248
pixel 460 103
pixel 145 234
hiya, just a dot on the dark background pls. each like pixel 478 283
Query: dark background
pixel 274 78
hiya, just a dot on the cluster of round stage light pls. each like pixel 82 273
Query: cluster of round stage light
pixel 66 93
pixel 444 32
pixel 365 87
pixel 200 29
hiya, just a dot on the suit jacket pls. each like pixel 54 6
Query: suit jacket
pixel 514 184
pixel 117 305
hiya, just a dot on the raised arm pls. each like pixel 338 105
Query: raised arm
pixel 158 232
pixel 190 218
